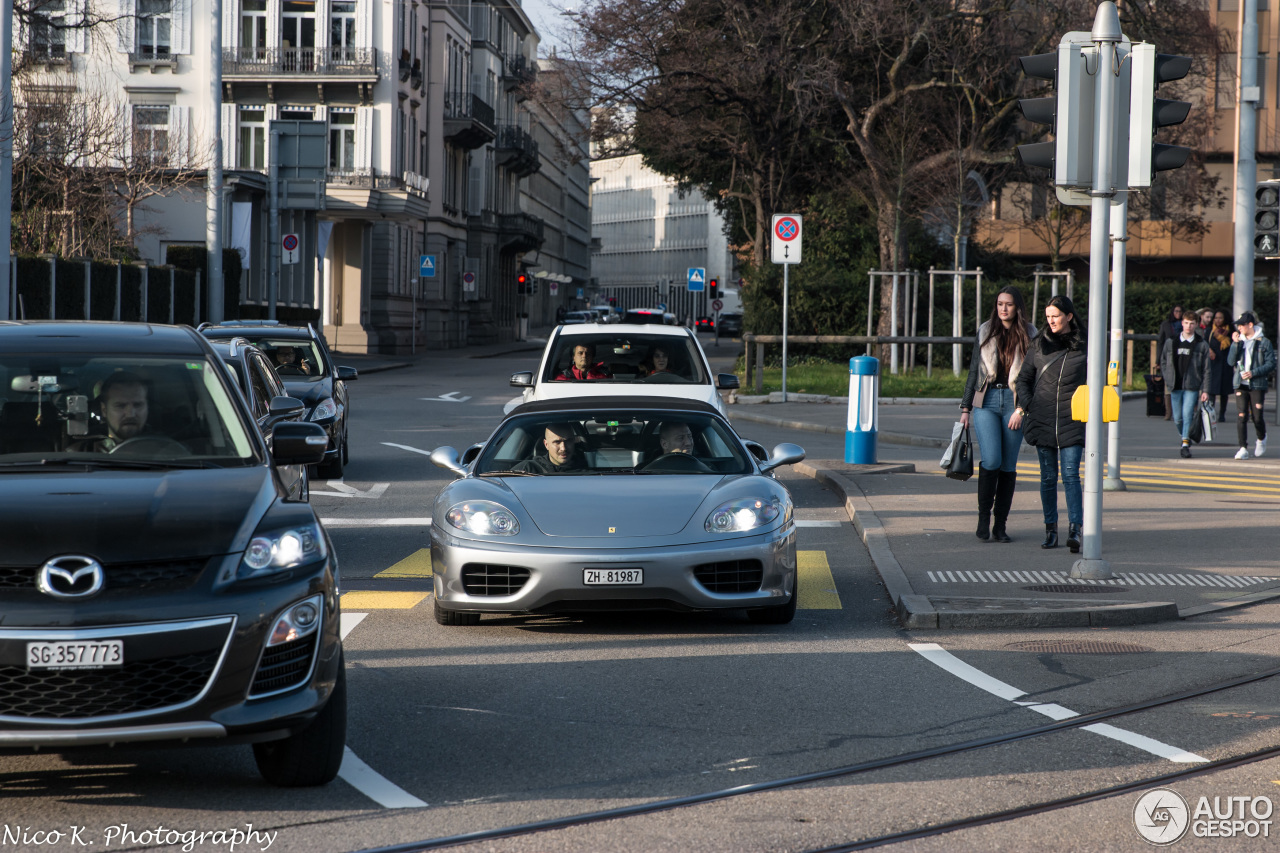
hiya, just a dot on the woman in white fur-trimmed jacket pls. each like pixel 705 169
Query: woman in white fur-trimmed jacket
pixel 989 402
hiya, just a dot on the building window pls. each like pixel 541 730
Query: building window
pixel 253 30
pixel 299 35
pixel 48 33
pixel 253 138
pixel 297 113
pixel 342 29
pixel 151 135
pixel 154 20
pixel 342 140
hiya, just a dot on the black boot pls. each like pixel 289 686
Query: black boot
pixel 1050 536
pixel 987 481
pixel 1073 538
pixel 1004 500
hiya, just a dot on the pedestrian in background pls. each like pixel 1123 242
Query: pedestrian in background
pixel 989 402
pixel 1170 328
pixel 1055 366
pixel 1184 364
pixel 1219 341
pixel 1254 360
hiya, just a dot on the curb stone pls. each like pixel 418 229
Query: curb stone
pixel 918 611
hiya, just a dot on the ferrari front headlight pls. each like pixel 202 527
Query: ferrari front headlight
pixel 484 517
pixel 743 514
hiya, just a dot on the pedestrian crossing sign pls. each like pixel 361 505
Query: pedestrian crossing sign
pixel 697 279
pixel 427 266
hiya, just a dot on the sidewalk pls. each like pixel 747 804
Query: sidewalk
pixel 1174 554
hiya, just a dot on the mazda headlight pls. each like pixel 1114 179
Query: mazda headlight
pixel 283 549
pixel 484 517
pixel 743 514
pixel 326 409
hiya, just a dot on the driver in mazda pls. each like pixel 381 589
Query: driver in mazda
pixel 122 402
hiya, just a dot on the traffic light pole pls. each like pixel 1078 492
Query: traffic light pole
pixel 1119 238
pixel 1246 160
pixel 1106 35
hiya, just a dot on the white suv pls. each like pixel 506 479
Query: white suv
pixel 622 361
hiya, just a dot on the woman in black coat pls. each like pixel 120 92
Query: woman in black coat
pixel 1055 366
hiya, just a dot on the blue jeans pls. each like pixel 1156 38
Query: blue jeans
pixel 999 444
pixel 1185 405
pixel 1070 458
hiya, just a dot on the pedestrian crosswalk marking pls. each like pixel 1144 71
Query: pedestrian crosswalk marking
pixel 379 600
pixel 816 588
pixel 1121 579
pixel 416 565
pixel 1180 478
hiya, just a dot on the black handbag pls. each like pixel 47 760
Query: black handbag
pixel 961 467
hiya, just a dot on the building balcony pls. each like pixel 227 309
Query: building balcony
pixel 518 71
pixel 517 150
pixel 519 232
pixel 468 121
pixel 46 54
pixel 359 63
pixel 370 194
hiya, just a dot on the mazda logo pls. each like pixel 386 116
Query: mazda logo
pixel 70 577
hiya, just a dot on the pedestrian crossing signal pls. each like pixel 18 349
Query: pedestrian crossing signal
pixel 1266 220
pixel 522 284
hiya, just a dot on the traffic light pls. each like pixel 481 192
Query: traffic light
pixel 1266 220
pixel 522 284
pixel 1148 113
pixel 1073 68
pixel 714 287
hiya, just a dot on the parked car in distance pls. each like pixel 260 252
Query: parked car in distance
pixel 698 523
pixel 731 324
pixel 607 314
pixel 623 361
pixel 305 365
pixel 573 318
pixel 161 587
pixel 269 402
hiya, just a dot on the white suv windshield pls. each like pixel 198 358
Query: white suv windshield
pixel 626 358
pixel 163 410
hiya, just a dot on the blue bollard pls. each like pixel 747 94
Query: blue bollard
pixel 864 405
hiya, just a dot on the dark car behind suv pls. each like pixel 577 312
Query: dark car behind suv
pixel 307 369
pixel 156 582
pixel 730 324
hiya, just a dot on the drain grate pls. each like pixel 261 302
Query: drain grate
pixel 1070 587
pixel 1083 647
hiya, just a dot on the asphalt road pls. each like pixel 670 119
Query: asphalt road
pixel 522 719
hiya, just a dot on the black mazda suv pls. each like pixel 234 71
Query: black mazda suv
pixel 306 367
pixel 157 584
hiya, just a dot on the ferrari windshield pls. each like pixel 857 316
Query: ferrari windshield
pixel 613 442
pixel 626 357
pixel 143 409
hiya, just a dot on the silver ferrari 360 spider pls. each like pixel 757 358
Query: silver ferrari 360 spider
pixel 614 504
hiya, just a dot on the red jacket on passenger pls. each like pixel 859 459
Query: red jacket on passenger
pixel 595 371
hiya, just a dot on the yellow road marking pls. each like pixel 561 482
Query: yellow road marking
pixel 416 565
pixel 817 588
pixel 373 600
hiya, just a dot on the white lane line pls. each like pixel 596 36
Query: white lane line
pixel 424 521
pixel 816 523
pixel 361 776
pixel 939 656
pixel 936 654
pixel 349 621
pixel 407 447
pixel 1145 744
pixel 367 781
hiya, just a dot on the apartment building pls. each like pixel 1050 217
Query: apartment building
pixel 646 236
pixel 428 141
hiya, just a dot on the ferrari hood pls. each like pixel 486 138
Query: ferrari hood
pixel 613 506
